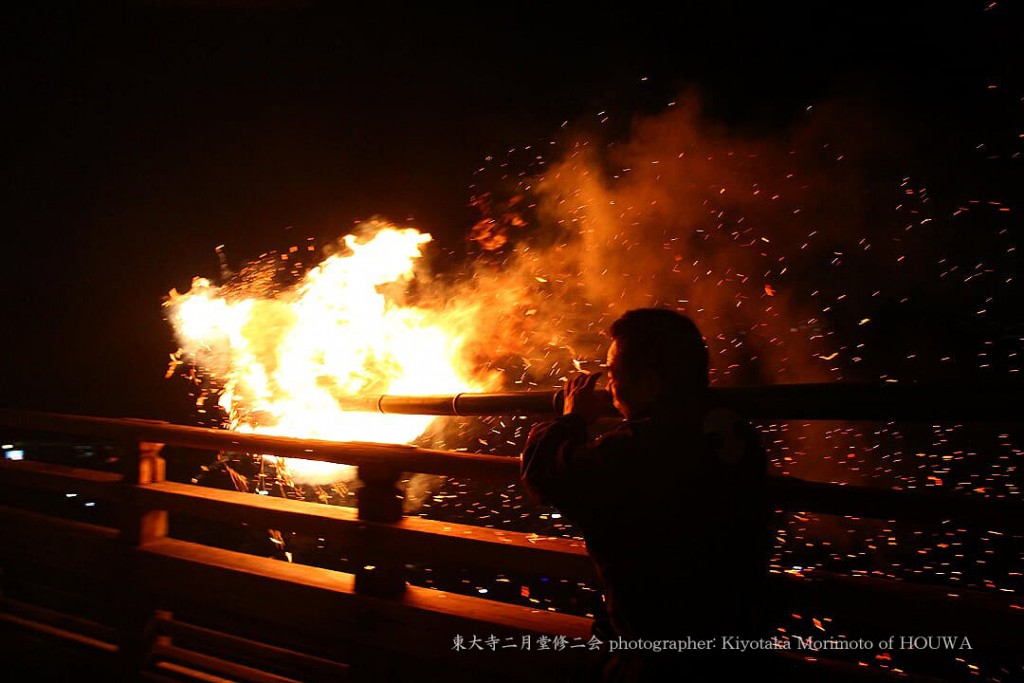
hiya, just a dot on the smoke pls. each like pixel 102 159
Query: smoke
pixel 731 231
pixel 760 240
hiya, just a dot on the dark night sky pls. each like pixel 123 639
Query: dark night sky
pixel 138 139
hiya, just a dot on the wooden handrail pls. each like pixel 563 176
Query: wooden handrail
pixel 787 493
pixel 396 456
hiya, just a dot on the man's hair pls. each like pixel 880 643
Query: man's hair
pixel 664 341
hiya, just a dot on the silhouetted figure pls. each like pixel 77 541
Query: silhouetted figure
pixel 671 504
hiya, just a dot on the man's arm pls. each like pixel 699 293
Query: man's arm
pixel 553 451
pixel 559 464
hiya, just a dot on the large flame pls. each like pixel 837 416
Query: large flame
pixel 282 361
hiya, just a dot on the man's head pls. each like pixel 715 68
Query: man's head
pixel 657 356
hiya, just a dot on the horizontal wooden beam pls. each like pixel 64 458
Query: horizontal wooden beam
pixel 933 506
pixel 788 493
pixel 878 402
pixel 168 563
pixel 225 670
pixel 411 539
pixel 266 657
pixel 421 622
pixel 56 632
pixel 235 507
pixel 42 476
pixel 321 599
pixel 414 539
pixel 904 607
pixel 92 550
pixel 54 622
pixel 400 457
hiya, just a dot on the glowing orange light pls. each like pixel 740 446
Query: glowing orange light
pixel 283 361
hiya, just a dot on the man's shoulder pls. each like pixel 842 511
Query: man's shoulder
pixel 562 423
pixel 731 438
pixel 618 440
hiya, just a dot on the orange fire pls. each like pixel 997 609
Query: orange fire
pixel 283 361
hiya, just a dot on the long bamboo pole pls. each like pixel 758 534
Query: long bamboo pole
pixel 833 401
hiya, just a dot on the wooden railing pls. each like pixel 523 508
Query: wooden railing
pixel 125 595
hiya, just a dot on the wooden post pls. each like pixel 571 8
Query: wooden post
pixel 144 466
pixel 141 465
pixel 380 500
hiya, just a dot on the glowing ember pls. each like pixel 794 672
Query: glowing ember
pixel 283 361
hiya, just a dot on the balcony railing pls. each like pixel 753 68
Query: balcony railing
pixel 130 598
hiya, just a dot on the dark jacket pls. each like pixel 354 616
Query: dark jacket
pixel 672 507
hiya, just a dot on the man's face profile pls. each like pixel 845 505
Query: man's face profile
pixel 613 366
pixel 632 391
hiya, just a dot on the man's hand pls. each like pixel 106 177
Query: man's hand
pixel 580 398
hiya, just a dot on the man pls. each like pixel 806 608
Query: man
pixel 671 504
